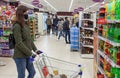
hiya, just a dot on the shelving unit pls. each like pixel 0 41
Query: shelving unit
pixel 32 23
pixel 37 34
pixel 108 52
pixel 87 25
pixel 5 29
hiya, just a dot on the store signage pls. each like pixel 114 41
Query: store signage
pixel 80 9
pixel 76 10
pixel 40 6
pixel 35 2
pixel 98 0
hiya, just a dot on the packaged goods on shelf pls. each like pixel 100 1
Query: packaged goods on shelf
pixel 108 63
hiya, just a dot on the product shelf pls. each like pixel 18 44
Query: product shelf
pixel 87 28
pixel 90 46
pixel 109 41
pixel 87 20
pixel 108 59
pixel 87 37
pixel 102 71
pixel 113 21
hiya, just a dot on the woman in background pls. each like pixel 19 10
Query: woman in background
pixel 60 28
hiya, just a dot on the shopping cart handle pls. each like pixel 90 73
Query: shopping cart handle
pixel 39 52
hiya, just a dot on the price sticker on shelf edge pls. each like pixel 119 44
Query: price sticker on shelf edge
pixel 106 57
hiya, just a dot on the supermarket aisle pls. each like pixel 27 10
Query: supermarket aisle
pixel 54 48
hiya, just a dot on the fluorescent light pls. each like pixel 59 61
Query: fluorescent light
pixel 91 6
pixel 71 5
pixel 28 5
pixel 50 5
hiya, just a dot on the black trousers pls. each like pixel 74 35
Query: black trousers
pixel 48 29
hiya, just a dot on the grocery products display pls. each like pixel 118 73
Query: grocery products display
pixel 6 13
pixel 108 56
pixel 87 25
pixel 74 38
pixel 32 24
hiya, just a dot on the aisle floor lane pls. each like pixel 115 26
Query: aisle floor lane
pixel 53 48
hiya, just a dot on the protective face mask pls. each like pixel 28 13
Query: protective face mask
pixel 26 17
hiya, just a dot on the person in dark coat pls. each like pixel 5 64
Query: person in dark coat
pixel 55 23
pixel 66 30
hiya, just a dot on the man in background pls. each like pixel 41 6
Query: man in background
pixel 66 30
pixel 55 23
pixel 49 24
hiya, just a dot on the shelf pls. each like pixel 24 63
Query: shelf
pixel 91 46
pixel 6 35
pixel 88 28
pixel 108 59
pixel 113 21
pixel 87 19
pixel 90 56
pixel 4 41
pixel 102 71
pixel 87 37
pixel 4 48
pixel 7 27
pixel 109 41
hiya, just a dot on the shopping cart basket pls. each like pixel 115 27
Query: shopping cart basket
pixel 46 65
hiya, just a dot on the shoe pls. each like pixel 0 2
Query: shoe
pixel 67 43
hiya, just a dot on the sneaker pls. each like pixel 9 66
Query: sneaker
pixel 67 42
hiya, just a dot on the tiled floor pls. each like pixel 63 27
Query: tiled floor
pixel 54 48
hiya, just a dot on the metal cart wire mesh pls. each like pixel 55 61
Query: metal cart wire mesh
pixel 46 65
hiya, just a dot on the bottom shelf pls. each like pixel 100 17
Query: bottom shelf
pixel 88 56
pixel 102 71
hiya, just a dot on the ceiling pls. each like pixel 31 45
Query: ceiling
pixel 63 5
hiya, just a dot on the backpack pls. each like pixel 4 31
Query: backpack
pixel 12 39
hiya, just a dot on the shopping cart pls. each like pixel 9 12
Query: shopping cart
pixel 48 65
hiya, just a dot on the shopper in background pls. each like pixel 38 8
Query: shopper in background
pixel 52 27
pixel 60 28
pixel 49 24
pixel 66 30
pixel 55 23
pixel 23 44
pixel 77 22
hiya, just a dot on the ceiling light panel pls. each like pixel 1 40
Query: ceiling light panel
pixel 60 5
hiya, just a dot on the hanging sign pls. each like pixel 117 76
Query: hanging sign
pixel 75 10
pixel 98 0
pixel 80 9
pixel 35 2
pixel 40 6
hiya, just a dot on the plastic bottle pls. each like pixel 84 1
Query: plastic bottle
pixel 117 33
pixel 111 31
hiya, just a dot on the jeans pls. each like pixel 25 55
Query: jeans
pixel 48 29
pixel 67 36
pixel 23 64
pixel 56 30
pixel 61 33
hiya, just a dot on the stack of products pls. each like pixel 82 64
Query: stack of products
pixel 74 38
pixel 86 32
pixel 6 13
pixel 109 40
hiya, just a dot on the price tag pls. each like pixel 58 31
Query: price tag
pixel 106 57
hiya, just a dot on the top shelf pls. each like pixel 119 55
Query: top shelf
pixel 109 41
pixel 87 28
pixel 113 21
pixel 87 19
